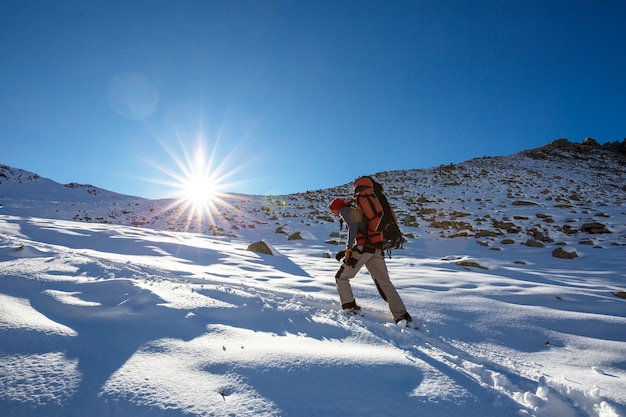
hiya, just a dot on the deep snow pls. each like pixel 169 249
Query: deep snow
pixel 105 319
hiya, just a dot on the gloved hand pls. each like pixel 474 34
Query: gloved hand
pixel 340 255
pixel 347 259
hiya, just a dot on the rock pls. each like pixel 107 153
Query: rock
pixel 487 233
pixel 410 220
pixel 260 247
pixel 533 243
pixel 539 235
pixel 470 264
pixel 427 211
pixel 574 197
pixel 524 203
pixel 564 254
pixel 508 226
pixel 594 228
pixel 592 143
pixel 569 230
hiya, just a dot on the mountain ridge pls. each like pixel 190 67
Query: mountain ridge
pixel 543 196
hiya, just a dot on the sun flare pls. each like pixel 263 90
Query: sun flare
pixel 197 182
pixel 198 191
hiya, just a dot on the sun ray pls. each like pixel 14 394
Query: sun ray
pixel 198 180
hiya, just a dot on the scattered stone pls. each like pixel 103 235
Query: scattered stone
pixel 533 243
pixel 456 214
pixel 410 221
pixel 569 230
pixel 539 235
pixel 524 203
pixel 510 227
pixel 460 234
pixel 594 228
pixel 295 236
pixel 448 224
pixel 470 264
pixel 487 233
pixel 260 247
pixel 427 211
pixel 564 254
pixel 545 217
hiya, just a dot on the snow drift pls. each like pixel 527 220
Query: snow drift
pixel 100 317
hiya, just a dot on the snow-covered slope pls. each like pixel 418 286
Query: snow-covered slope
pixel 99 317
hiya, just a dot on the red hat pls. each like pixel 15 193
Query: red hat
pixel 337 204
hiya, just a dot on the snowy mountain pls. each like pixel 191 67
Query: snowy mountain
pixel 510 265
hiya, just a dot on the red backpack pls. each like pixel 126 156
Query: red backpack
pixel 382 225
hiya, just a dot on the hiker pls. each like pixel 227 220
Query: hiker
pixel 359 251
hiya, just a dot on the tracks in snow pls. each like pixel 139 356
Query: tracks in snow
pixel 525 396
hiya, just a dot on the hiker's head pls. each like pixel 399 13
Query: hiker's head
pixel 336 205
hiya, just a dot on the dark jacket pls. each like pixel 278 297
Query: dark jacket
pixel 353 219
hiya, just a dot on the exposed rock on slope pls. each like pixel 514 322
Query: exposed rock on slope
pixel 561 193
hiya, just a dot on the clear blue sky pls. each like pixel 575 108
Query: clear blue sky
pixel 290 96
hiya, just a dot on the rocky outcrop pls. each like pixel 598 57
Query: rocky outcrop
pixel 260 247
pixel 564 254
pixel 594 228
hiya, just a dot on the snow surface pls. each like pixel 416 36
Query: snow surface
pixel 105 319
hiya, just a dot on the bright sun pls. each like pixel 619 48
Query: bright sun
pixel 199 175
pixel 198 190
pixel 198 183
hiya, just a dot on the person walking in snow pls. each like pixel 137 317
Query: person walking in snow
pixel 360 252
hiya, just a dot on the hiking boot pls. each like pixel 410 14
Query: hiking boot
pixel 406 318
pixel 353 311
pixel 406 321
pixel 408 324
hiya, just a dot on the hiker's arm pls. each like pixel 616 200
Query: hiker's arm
pixel 351 225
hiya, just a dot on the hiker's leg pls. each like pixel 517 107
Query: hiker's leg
pixel 343 277
pixel 378 270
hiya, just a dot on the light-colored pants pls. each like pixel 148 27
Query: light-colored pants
pixel 375 264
